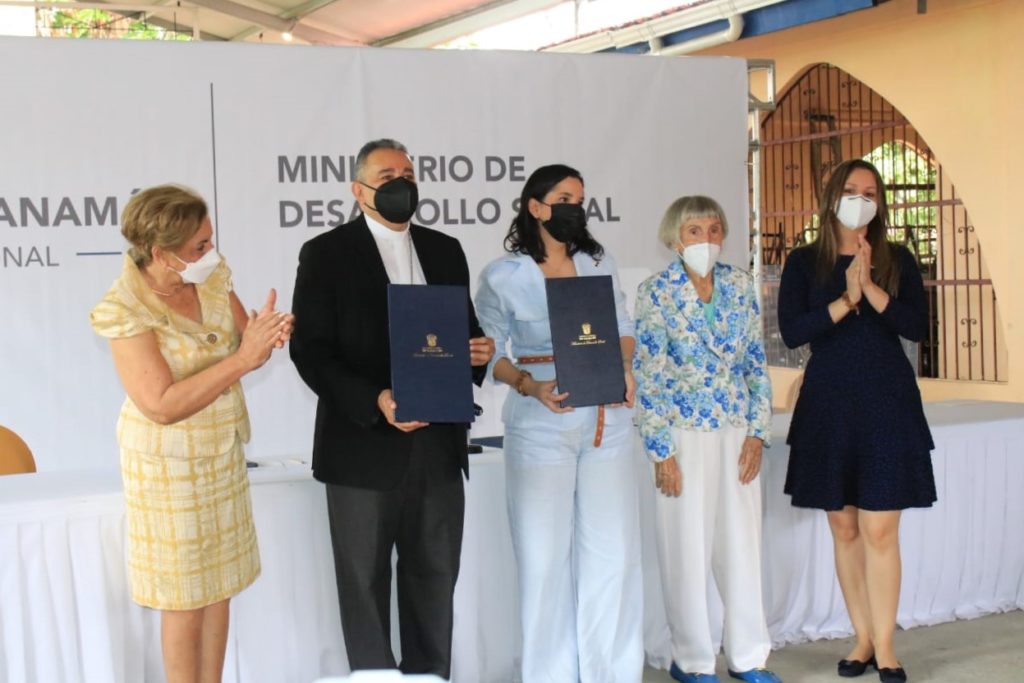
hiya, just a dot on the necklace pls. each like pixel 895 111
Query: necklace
pixel 162 293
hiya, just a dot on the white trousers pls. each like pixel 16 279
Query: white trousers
pixel 712 529
pixel 573 512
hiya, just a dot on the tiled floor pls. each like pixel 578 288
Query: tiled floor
pixel 987 650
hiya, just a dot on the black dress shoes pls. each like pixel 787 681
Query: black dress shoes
pixel 850 668
pixel 897 675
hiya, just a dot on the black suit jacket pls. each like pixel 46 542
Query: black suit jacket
pixel 340 347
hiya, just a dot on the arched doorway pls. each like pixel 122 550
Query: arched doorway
pixel 826 116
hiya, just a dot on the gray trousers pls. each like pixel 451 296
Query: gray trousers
pixel 421 517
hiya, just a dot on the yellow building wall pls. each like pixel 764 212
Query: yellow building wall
pixel 956 73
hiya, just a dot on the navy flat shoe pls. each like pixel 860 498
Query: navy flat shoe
pixel 851 668
pixel 897 675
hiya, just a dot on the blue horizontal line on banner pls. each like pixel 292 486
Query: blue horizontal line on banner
pixel 98 253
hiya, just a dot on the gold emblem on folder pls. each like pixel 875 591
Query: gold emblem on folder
pixel 432 350
pixel 588 337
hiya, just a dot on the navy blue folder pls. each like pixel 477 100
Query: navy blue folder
pixel 585 338
pixel 431 378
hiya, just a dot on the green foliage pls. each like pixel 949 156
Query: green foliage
pixel 911 179
pixel 97 23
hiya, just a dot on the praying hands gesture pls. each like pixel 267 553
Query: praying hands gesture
pixel 876 296
pixel 855 276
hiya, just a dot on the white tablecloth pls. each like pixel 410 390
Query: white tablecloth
pixel 65 615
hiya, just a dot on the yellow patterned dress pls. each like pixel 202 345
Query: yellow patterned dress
pixel 191 539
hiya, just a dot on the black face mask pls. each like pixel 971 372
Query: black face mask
pixel 396 200
pixel 567 222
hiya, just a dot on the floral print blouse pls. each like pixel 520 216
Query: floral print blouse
pixel 693 375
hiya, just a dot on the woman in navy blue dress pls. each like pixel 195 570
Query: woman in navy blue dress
pixel 859 443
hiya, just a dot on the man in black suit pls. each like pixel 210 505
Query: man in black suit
pixel 389 484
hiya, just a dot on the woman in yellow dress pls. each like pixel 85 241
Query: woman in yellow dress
pixel 181 341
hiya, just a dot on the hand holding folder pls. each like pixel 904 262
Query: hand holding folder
pixel 387 406
pixel 585 339
pixel 431 377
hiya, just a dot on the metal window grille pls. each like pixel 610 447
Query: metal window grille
pixel 827 116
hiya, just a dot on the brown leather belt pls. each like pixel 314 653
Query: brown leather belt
pixel 531 360
pixel 599 431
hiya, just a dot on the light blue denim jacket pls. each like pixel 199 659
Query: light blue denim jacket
pixel 511 304
pixel 694 376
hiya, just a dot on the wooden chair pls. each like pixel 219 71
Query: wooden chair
pixel 15 456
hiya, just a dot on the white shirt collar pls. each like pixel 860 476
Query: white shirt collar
pixel 383 232
pixel 398 253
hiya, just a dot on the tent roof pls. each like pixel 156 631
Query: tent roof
pixel 406 23
pixel 427 23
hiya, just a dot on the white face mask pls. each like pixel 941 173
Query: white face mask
pixel 701 258
pixel 196 272
pixel 855 211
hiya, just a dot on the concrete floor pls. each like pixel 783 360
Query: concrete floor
pixel 987 650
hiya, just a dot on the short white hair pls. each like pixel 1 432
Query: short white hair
pixel 684 209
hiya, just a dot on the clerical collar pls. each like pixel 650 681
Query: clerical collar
pixel 382 231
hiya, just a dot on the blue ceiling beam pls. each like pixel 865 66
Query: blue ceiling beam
pixel 777 17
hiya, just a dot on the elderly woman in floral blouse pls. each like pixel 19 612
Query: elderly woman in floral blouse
pixel 704 410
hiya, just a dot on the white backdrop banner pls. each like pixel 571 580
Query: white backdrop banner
pixel 269 136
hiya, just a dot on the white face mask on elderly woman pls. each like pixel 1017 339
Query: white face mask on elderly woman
pixel 701 258
pixel 855 211
pixel 196 272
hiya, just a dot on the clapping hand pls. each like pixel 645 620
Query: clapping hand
pixel 853 278
pixel 263 332
pixel 865 260
pixel 287 319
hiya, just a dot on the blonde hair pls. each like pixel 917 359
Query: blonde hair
pixel 164 216
pixel 684 209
